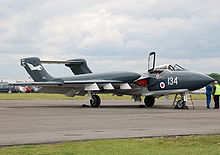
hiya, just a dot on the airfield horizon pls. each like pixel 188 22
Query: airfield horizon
pixel 44 96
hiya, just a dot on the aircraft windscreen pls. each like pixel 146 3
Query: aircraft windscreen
pixel 178 68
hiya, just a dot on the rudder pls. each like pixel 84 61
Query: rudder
pixel 35 69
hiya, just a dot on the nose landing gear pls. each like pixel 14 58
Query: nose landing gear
pixel 181 104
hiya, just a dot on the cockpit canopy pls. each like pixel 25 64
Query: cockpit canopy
pixel 163 67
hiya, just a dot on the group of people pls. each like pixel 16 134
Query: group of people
pixel 215 92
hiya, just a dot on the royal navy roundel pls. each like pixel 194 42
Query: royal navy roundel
pixel 162 85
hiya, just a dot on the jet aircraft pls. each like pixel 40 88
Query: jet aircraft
pixel 157 81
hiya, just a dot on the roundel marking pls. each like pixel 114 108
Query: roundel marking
pixel 162 85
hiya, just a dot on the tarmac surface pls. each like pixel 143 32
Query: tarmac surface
pixel 42 122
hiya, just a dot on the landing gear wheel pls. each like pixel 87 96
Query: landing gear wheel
pixel 180 104
pixel 95 101
pixel 149 101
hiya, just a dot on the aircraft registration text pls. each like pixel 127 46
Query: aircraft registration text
pixel 171 81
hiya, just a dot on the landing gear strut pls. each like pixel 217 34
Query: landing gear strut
pixel 95 101
pixel 181 104
pixel 149 101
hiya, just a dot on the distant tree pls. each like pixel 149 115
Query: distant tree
pixel 215 76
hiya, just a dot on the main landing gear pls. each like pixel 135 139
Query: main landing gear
pixel 149 101
pixel 95 101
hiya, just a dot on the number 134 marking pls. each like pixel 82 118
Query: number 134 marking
pixel 172 80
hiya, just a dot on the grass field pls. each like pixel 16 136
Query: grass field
pixel 181 146
pixel 36 96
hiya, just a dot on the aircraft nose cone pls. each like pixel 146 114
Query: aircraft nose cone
pixel 194 80
pixel 199 80
pixel 206 79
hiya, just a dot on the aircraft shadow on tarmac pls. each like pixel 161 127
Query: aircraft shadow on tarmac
pixel 135 107
pixel 85 106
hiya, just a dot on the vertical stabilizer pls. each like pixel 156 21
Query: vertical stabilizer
pixel 35 69
pixel 79 68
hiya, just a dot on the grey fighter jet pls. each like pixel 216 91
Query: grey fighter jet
pixel 158 81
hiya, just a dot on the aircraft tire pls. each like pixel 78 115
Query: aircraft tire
pixel 149 101
pixel 180 104
pixel 95 101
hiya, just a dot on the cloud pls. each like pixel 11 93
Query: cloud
pixel 111 32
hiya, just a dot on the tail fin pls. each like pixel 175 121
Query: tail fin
pixel 79 68
pixel 35 69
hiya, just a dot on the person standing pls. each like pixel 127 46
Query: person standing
pixel 208 95
pixel 216 94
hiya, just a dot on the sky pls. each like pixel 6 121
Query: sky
pixel 111 35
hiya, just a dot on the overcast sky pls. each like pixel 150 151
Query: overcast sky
pixel 110 35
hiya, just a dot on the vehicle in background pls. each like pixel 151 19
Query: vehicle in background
pixel 5 88
pixel 25 89
pixel 9 89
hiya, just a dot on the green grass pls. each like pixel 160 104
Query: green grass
pixel 36 96
pixel 172 146
pixel 39 96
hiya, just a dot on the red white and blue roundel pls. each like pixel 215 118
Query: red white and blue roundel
pixel 162 84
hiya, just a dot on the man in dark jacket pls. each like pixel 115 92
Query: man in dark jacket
pixel 208 95
pixel 216 94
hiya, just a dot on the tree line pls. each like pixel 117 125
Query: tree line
pixel 215 76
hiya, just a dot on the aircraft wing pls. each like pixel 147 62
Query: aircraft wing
pixel 92 81
pixel 64 83
pixel 81 85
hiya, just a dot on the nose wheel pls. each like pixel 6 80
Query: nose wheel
pixel 95 101
pixel 180 104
